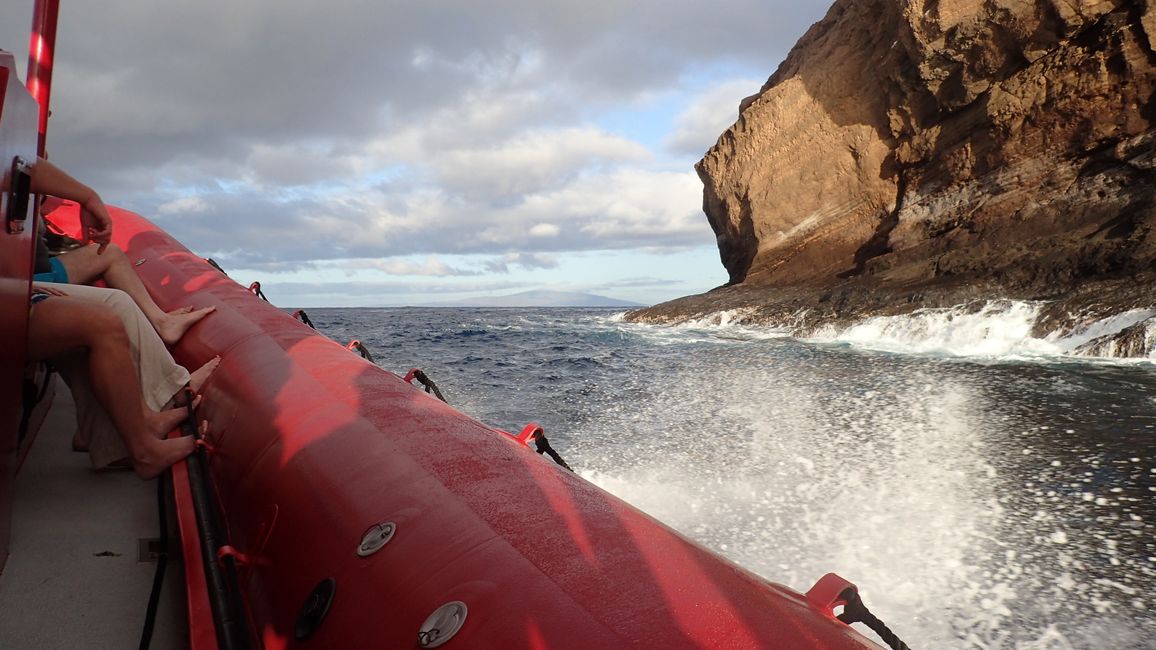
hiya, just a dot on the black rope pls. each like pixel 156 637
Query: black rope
pixel 856 612
pixel 544 447
pixel 221 577
pixel 214 264
pixel 256 288
pixel 360 348
pixel 429 385
pixel 146 635
pixel 304 318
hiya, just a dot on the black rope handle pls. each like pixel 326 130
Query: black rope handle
pixel 544 447
pixel 304 318
pixel 854 611
pixel 428 383
pixel 256 289
pixel 214 264
pixel 359 347
pixel 230 618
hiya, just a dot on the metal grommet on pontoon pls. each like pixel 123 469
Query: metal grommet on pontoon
pixel 442 625
pixel 376 537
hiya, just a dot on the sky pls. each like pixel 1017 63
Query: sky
pixel 379 152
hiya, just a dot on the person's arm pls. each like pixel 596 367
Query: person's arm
pixel 95 223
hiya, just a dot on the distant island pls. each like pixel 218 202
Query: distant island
pixel 539 299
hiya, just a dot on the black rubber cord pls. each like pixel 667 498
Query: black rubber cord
pixel 544 447
pixel 428 383
pixel 856 612
pixel 146 635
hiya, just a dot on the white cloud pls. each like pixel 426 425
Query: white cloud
pixel 430 267
pixel 623 205
pixel 708 115
pixel 295 164
pixel 531 162
pixel 283 133
pixel 527 261
pixel 183 205
pixel 544 230
pixel 211 77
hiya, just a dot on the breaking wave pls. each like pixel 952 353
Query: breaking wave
pixel 1001 329
pixel 977 505
pixel 998 328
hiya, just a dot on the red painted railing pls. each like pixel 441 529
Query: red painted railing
pixel 41 45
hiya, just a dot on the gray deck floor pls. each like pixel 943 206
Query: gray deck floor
pixel 74 578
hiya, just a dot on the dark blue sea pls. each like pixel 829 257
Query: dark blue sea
pixel 984 490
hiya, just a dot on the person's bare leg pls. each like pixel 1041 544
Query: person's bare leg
pixel 59 325
pixel 84 266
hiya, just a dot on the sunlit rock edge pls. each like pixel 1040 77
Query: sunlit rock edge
pixel 911 155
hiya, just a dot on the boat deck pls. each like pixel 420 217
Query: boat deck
pixel 75 577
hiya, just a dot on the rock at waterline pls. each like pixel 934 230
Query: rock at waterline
pixel 912 154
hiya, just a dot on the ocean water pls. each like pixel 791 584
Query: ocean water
pixel 982 488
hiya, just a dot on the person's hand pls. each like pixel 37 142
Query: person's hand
pixel 95 224
pixel 49 288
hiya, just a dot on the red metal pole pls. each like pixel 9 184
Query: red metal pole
pixel 40 48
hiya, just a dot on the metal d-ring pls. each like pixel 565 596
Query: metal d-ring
pixel 376 537
pixel 442 624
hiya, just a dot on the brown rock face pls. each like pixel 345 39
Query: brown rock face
pixel 911 149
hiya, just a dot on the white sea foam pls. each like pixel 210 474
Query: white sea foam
pixel 727 317
pixel 996 329
pixel 897 481
pixel 815 487
pixel 976 505
pixel 730 325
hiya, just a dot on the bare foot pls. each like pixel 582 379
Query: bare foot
pixel 200 375
pixel 196 381
pixel 173 325
pixel 152 454
pixel 173 407
pixel 158 455
pixel 160 423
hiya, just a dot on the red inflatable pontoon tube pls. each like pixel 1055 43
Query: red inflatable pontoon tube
pixel 372 514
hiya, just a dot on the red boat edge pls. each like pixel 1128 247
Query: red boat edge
pixel 356 510
pixel 311 447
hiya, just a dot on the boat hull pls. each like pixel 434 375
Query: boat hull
pixel 312 447
pixel 17 142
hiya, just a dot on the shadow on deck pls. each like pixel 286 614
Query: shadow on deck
pixel 75 578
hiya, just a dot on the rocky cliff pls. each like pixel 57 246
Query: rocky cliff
pixel 924 153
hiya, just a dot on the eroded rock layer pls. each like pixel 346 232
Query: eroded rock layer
pixel 913 153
